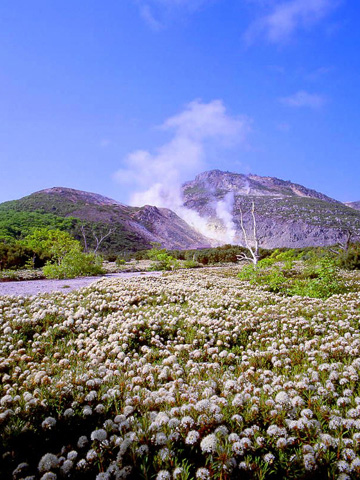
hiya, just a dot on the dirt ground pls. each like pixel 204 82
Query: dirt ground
pixel 34 287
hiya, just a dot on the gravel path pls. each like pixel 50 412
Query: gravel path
pixel 34 287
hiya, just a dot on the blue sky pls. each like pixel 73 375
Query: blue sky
pixel 129 98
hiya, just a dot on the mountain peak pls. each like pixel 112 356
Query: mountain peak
pixel 217 181
pixel 73 195
pixel 288 214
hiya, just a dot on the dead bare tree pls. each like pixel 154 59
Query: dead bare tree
pixel 84 238
pixel 101 238
pixel 350 236
pixel 253 246
pixel 98 238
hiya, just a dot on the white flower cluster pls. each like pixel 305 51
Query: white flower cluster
pixel 187 371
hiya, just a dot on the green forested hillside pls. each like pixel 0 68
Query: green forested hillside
pixel 16 224
pixel 18 218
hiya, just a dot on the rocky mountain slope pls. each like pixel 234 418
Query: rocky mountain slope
pixel 287 214
pixel 355 205
pixel 133 228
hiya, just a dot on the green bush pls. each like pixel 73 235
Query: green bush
pixel 55 244
pixel 164 261
pixel 120 261
pixel 161 259
pixel 74 264
pixel 15 256
pixel 191 264
pixel 265 274
pixel 350 260
pixel 317 281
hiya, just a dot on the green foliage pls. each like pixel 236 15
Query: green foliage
pixel 212 256
pixel 54 243
pixel 15 256
pixel 281 255
pixel 265 274
pixel 191 264
pixel 40 247
pixel 74 264
pixel 350 260
pixel 161 259
pixel 120 261
pixel 17 224
pixel 320 280
pixel 20 217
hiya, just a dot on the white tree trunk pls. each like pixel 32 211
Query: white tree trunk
pixel 253 246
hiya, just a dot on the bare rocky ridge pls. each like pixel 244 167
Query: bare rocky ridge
pixel 164 226
pixel 217 182
pixel 355 205
pixel 287 214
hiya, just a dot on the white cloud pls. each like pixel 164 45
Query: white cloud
pixel 318 73
pixel 157 13
pixel 148 16
pixel 157 177
pixel 304 99
pixel 287 17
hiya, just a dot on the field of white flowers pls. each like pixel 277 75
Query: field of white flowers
pixel 194 375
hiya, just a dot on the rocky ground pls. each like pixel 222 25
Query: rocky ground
pixel 34 287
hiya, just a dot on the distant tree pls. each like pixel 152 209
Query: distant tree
pixel 14 255
pixel 51 243
pixel 15 225
pixel 98 237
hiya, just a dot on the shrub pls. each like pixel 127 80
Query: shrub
pixel 191 264
pixel 15 255
pixel 350 260
pixel 162 260
pixel 316 281
pixel 55 244
pixel 120 261
pixel 74 264
pixel 272 277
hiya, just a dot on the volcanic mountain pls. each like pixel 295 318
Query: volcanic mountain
pixel 132 228
pixel 286 214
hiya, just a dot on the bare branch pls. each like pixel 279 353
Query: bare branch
pixel 101 239
pixel 84 237
pixel 345 244
pixel 244 257
pixel 256 240
pixel 98 238
pixel 254 250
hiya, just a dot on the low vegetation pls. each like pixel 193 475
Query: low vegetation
pixel 161 259
pixel 75 264
pixel 193 375
pixel 318 277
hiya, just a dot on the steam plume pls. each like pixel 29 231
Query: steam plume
pixel 157 177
